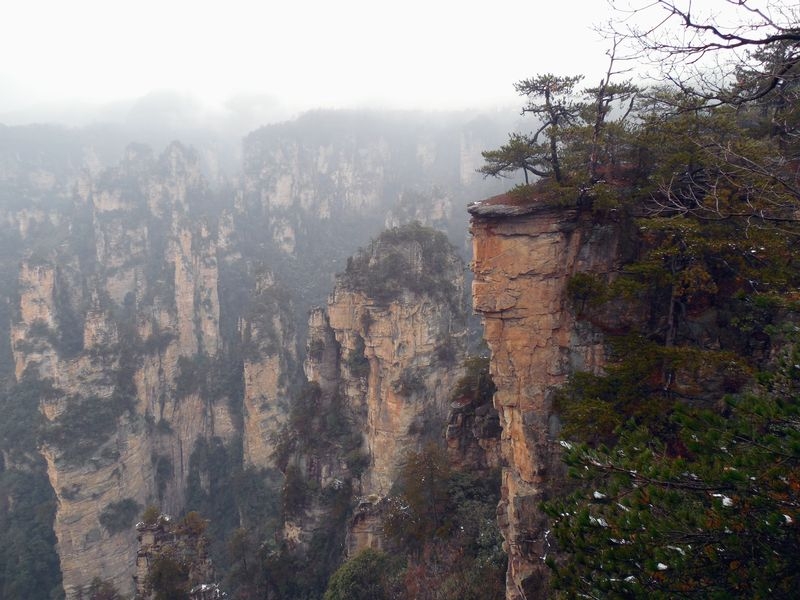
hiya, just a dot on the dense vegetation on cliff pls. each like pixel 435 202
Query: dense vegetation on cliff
pixel 686 449
pixel 411 258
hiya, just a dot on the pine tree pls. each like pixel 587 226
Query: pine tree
pixel 713 513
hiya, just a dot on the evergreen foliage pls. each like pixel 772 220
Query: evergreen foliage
pixel 168 578
pixel 476 383
pixel 264 307
pixel 150 514
pixel 445 540
pixel 576 146
pixel 356 360
pixel 119 516
pixel 444 522
pixel 712 512
pixel 519 153
pixel 367 576
pixel 421 510
pixel 98 589
pixel 410 258
pixel 84 427
pixel 319 425
pixel 29 566
pixel 232 496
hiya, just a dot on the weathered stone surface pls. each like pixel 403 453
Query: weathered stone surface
pixel 523 260
pixel 36 307
pixel 400 337
pixel 195 258
pixel 124 311
pixel 269 365
pixel 473 437
pixel 386 361
pixel 84 547
pixel 366 526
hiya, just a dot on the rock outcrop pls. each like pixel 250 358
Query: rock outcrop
pixel 524 258
pixel 473 425
pixel 269 361
pixel 392 354
pixel 177 554
pixel 124 325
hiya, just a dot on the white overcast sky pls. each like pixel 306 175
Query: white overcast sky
pixel 309 53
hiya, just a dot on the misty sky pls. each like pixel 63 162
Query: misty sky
pixel 304 53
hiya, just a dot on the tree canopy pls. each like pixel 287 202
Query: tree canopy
pixel 698 46
pixel 714 515
pixel 577 133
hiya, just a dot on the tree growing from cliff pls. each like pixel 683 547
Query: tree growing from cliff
pixel 582 135
pixel 29 565
pixel 422 509
pixel 367 576
pixel 444 522
pixel 410 258
pixel 551 100
pixel 519 153
pixel 686 449
pixel 168 578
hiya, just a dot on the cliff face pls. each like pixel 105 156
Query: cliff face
pixel 123 326
pixel 393 357
pixel 523 260
pixel 270 356
pixel 402 389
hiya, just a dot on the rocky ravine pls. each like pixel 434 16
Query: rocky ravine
pixel 523 260
pixel 140 305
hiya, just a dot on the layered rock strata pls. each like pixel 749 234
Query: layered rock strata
pixel 523 260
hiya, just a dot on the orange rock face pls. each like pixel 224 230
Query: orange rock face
pixel 522 264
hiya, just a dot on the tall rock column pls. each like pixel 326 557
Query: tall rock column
pixel 389 345
pixel 270 355
pixel 523 260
